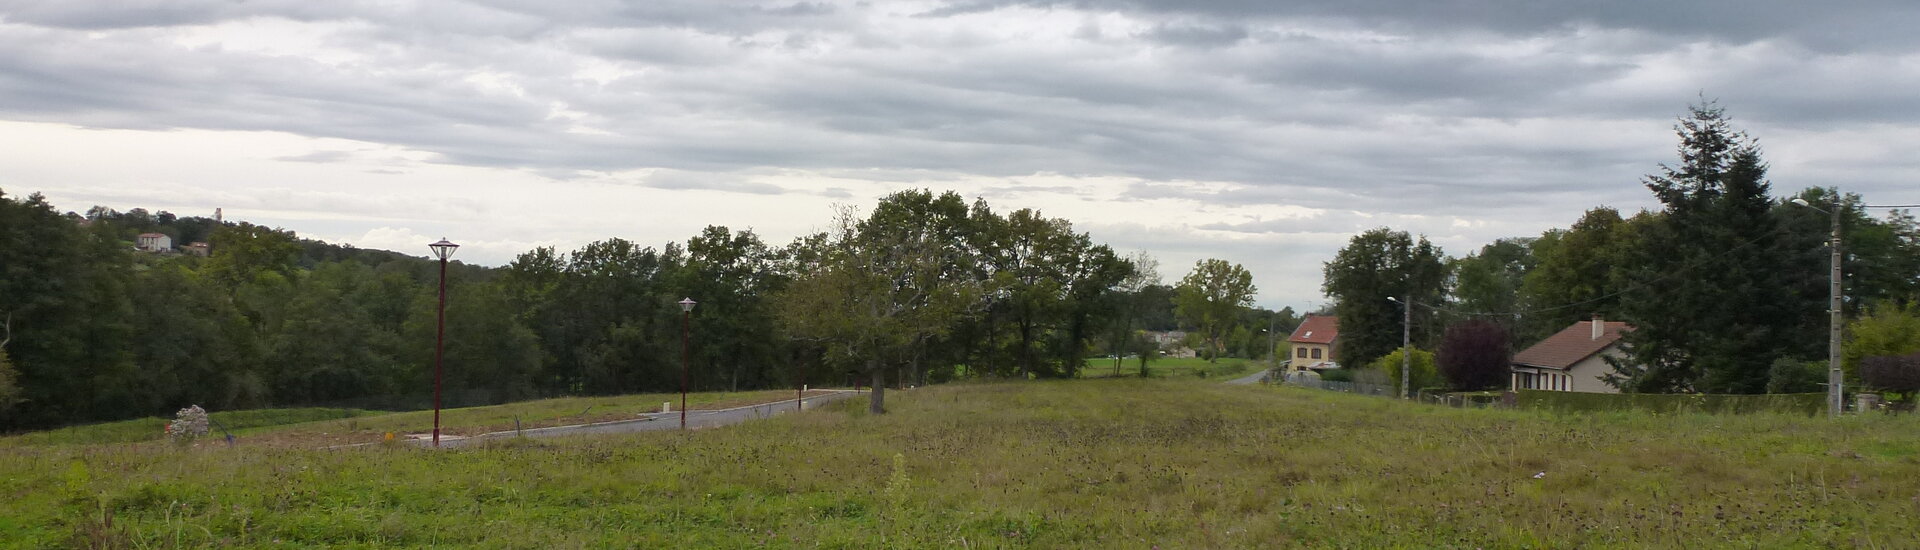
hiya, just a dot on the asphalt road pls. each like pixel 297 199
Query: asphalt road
pixel 662 421
pixel 1248 379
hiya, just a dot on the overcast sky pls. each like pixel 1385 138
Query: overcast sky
pixel 1264 133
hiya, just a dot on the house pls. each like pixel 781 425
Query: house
pixel 197 248
pixel 1312 344
pixel 153 242
pixel 1573 359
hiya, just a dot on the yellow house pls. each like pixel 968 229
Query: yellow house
pixel 1312 344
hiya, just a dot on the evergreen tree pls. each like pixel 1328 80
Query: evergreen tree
pixel 1718 303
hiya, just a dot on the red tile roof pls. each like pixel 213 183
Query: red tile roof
pixel 1316 329
pixel 1571 345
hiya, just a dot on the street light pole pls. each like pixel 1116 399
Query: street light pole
pixel 1836 399
pixel 1406 349
pixel 442 250
pixel 1406 352
pixel 686 355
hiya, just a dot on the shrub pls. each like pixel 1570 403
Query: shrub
pixel 1337 375
pixel 1792 375
pixel 1475 355
pixel 1892 373
pixel 1425 374
pixel 187 425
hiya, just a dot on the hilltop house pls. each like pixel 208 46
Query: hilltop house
pixel 1312 344
pixel 1573 359
pixel 153 242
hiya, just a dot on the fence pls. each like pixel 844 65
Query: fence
pixel 1359 388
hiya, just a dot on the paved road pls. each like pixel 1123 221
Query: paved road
pixel 662 421
pixel 1248 379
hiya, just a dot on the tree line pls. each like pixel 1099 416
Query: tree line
pixel 922 288
pixel 1726 284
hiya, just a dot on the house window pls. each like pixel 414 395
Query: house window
pixel 1316 353
pixel 1300 352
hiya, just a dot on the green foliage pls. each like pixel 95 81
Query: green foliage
pixel 1808 404
pixel 1790 375
pixel 1211 298
pixel 1489 281
pixel 1585 266
pixel 1426 374
pixel 243 251
pixel 1375 265
pixel 1887 329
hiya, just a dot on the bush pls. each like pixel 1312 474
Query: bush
pixel 1475 355
pixel 1425 374
pixel 1891 373
pixel 1791 375
pixel 1337 375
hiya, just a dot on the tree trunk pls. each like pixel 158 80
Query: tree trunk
pixel 876 401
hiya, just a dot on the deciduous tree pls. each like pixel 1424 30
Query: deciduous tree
pixel 1211 297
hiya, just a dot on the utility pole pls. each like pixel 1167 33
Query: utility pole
pixel 1836 399
pixel 1406 349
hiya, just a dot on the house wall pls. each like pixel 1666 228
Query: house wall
pixel 1294 349
pixel 1586 373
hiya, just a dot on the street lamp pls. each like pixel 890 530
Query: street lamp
pixel 1835 398
pixel 1406 352
pixel 441 250
pixel 686 335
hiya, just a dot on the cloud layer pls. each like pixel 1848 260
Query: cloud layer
pixel 1263 132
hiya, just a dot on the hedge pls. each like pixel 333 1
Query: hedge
pixel 1803 403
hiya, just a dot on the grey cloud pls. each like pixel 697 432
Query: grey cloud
pixel 1186 34
pixel 1843 25
pixel 1378 106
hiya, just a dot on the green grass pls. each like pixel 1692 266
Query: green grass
pixel 1172 367
pixel 152 428
pixel 1089 464
pixel 317 427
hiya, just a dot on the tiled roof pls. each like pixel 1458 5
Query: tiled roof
pixel 1316 329
pixel 1571 345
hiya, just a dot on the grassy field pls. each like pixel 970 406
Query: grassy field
pixel 1172 367
pixel 318 427
pixel 1094 464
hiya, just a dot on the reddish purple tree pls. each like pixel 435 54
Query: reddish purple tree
pixel 1892 373
pixel 1475 356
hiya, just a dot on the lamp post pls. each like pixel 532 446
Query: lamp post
pixel 1406 353
pixel 1835 397
pixel 441 250
pixel 686 355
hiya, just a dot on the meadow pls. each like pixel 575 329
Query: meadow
pixel 313 427
pixel 1124 463
pixel 1171 367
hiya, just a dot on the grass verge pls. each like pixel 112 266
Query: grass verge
pixel 1088 464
